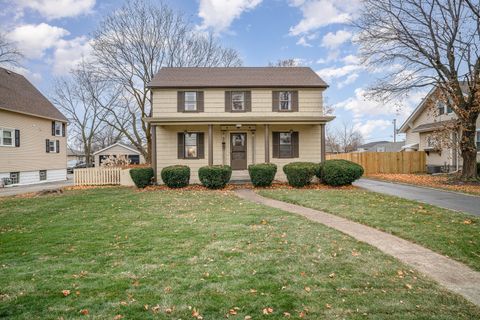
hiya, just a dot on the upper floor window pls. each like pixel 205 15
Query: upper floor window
pixel 238 101
pixel 58 129
pixel 443 108
pixel 285 98
pixel 191 101
pixel 6 137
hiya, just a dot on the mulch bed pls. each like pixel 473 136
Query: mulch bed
pixel 446 182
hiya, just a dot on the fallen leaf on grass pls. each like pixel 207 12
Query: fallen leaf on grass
pixel 66 293
pixel 84 312
pixel 307 289
pixel 267 310
pixel 287 314
pixel 408 286
pixel 247 318
pixel 118 317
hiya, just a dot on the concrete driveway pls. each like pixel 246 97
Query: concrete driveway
pixel 17 190
pixel 445 199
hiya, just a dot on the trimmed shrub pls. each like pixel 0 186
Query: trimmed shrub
pixel 262 174
pixel 142 177
pixel 340 172
pixel 176 176
pixel 299 174
pixel 215 177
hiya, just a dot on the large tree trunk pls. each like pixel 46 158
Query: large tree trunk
pixel 469 152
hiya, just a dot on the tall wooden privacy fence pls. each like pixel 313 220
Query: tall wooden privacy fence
pixel 97 176
pixel 386 162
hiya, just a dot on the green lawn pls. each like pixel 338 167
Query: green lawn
pixel 451 233
pixel 168 254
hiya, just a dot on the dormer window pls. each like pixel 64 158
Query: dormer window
pixel 238 101
pixel 442 108
pixel 285 98
pixel 190 101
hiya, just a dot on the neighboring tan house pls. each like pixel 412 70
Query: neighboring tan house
pixel 236 116
pixel 430 128
pixel 76 155
pixel 33 146
pixel 116 150
pixel 381 146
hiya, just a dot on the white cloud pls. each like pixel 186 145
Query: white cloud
pixel 333 73
pixel 69 53
pixel 334 40
pixel 349 80
pixel 371 126
pixel 32 40
pixel 320 13
pixel 219 14
pixel 55 9
pixel 351 59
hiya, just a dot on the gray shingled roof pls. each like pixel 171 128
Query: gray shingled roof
pixel 427 127
pixel 17 94
pixel 246 77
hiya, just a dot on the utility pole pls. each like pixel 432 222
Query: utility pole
pixel 394 130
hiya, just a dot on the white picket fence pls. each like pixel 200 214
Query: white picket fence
pixel 97 176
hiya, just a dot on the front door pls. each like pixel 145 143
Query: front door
pixel 238 151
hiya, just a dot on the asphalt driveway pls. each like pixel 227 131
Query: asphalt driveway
pixel 445 199
pixel 17 190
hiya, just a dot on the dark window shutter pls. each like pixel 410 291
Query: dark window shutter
pixel 248 101
pixel 275 144
pixel 201 145
pixel 180 101
pixel 295 145
pixel 275 100
pixel 58 146
pixel 17 138
pixel 228 101
pixel 294 100
pixel 53 128
pixel 181 146
pixel 200 101
pixel 64 129
pixel 47 145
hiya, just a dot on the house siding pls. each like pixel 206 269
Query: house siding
pixel 31 156
pixel 310 102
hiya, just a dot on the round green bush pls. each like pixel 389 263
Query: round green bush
pixel 215 177
pixel 176 176
pixel 142 177
pixel 299 174
pixel 262 174
pixel 340 172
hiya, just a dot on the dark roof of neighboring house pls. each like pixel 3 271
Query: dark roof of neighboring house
pixel 17 94
pixel 229 77
pixel 371 144
pixel 427 127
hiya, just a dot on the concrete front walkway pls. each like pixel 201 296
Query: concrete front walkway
pixel 17 190
pixel 453 275
pixel 445 199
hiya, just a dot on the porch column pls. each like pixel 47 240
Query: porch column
pixel 267 144
pixel 253 146
pixel 210 144
pixel 153 151
pixel 322 143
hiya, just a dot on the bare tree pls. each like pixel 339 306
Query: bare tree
pixel 285 63
pixel 132 44
pixel 427 43
pixel 344 139
pixel 83 98
pixel 9 54
pixel 106 137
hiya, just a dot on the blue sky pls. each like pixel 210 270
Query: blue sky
pixel 54 35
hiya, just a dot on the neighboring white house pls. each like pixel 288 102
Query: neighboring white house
pixel 33 143
pixel 381 146
pixel 237 116
pixel 428 129
pixel 118 149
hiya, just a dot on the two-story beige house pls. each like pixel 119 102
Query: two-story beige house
pixel 431 128
pixel 237 116
pixel 33 145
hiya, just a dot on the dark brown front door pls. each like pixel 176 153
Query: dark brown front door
pixel 238 151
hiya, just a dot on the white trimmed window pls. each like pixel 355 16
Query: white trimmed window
pixel 191 101
pixel 52 146
pixel 58 129
pixel 286 148
pixel 191 145
pixel 43 175
pixel 238 101
pixel 7 137
pixel 285 98
pixel 15 177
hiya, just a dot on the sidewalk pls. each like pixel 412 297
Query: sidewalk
pixel 17 190
pixel 451 274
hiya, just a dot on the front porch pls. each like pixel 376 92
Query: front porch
pixel 237 145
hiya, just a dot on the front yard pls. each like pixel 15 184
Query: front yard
pixel 451 233
pixel 119 253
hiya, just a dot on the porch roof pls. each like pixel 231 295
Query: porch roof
pixel 239 120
